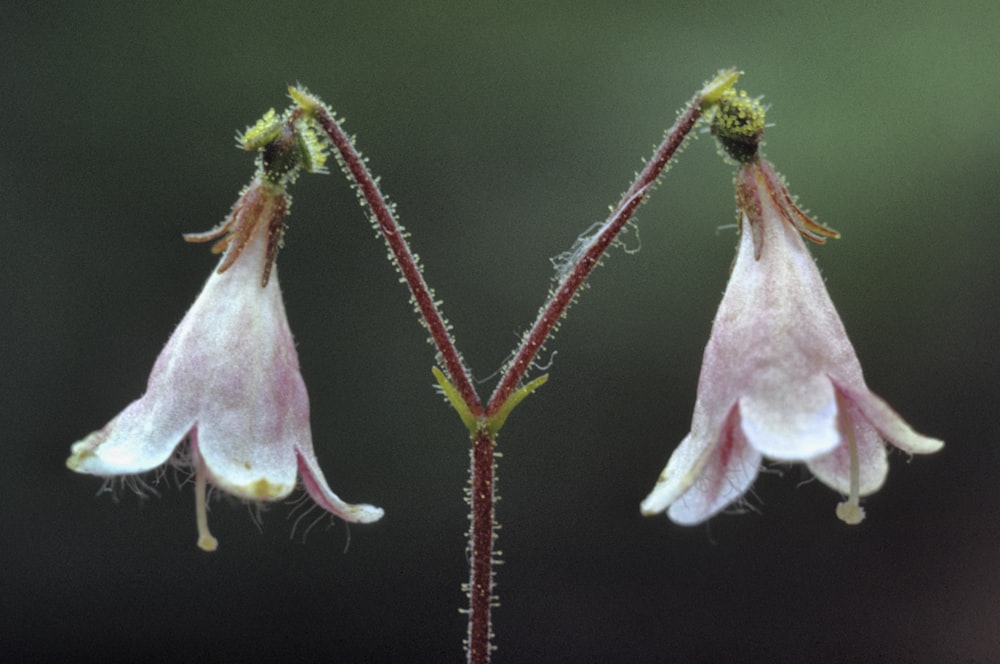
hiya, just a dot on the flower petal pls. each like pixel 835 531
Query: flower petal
pixel 679 475
pixel 834 469
pixel 889 424
pixel 140 438
pixel 235 350
pixel 792 421
pixel 316 486
pixel 702 477
pixel 246 456
pixel 731 469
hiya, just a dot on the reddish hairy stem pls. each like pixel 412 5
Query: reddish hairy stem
pixel 393 235
pixel 482 530
pixel 566 290
pixel 482 536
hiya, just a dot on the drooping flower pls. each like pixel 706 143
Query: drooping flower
pixel 779 379
pixel 228 380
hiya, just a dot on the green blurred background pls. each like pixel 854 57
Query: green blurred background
pixel 502 133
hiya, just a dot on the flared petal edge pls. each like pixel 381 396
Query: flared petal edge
pixel 703 478
pixel 140 438
pixel 729 472
pixel 316 486
pixel 677 477
pixel 888 423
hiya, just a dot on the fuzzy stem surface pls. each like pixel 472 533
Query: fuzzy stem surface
pixel 482 536
pixel 562 296
pixel 482 529
pixel 395 238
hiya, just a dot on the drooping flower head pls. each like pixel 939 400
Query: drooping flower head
pixel 779 379
pixel 228 379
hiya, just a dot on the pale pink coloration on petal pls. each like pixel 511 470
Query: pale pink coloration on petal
pixel 229 379
pixel 779 378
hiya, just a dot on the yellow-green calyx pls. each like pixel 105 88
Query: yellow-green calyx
pixel 739 125
pixel 490 424
pixel 495 421
pixel 469 419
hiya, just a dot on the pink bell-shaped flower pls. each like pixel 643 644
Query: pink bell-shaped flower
pixel 779 378
pixel 228 380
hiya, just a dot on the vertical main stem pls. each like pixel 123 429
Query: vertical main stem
pixel 482 536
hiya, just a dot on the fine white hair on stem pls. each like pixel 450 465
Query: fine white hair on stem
pixel 547 365
pixel 567 260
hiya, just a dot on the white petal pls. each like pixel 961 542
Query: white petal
pixel 728 473
pixel 703 476
pixel 679 475
pixel 140 438
pixel 889 424
pixel 795 423
pixel 246 457
pixel 255 412
pixel 316 486
pixel 834 469
pixel 235 351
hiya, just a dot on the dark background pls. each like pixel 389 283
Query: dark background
pixel 501 134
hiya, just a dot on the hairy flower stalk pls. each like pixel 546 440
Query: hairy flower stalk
pixel 780 379
pixel 228 379
pixel 385 221
pixel 485 423
pixel 590 255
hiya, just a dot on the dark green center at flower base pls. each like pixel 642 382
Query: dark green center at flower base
pixel 739 125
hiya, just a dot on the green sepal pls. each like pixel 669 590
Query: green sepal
pixel 457 402
pixel 497 419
